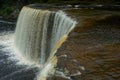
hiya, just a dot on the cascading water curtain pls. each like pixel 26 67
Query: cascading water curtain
pixel 39 33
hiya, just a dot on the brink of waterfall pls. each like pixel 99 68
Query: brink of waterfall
pixel 39 33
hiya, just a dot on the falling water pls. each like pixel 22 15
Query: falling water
pixel 38 35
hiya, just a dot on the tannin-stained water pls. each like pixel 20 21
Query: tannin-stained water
pixel 96 47
pixel 38 35
pixel 94 44
pixel 40 32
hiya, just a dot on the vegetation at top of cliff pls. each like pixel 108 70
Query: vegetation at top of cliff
pixel 7 7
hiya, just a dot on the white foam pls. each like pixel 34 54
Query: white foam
pixel 7 43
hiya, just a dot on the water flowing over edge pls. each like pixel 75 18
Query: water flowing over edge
pixel 38 35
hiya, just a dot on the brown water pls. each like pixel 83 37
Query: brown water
pixel 94 44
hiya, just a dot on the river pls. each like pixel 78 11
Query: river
pixel 92 51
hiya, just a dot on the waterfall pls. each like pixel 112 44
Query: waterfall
pixel 39 33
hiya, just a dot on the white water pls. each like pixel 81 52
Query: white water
pixel 39 32
pixel 38 35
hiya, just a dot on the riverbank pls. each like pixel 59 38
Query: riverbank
pixel 12 13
